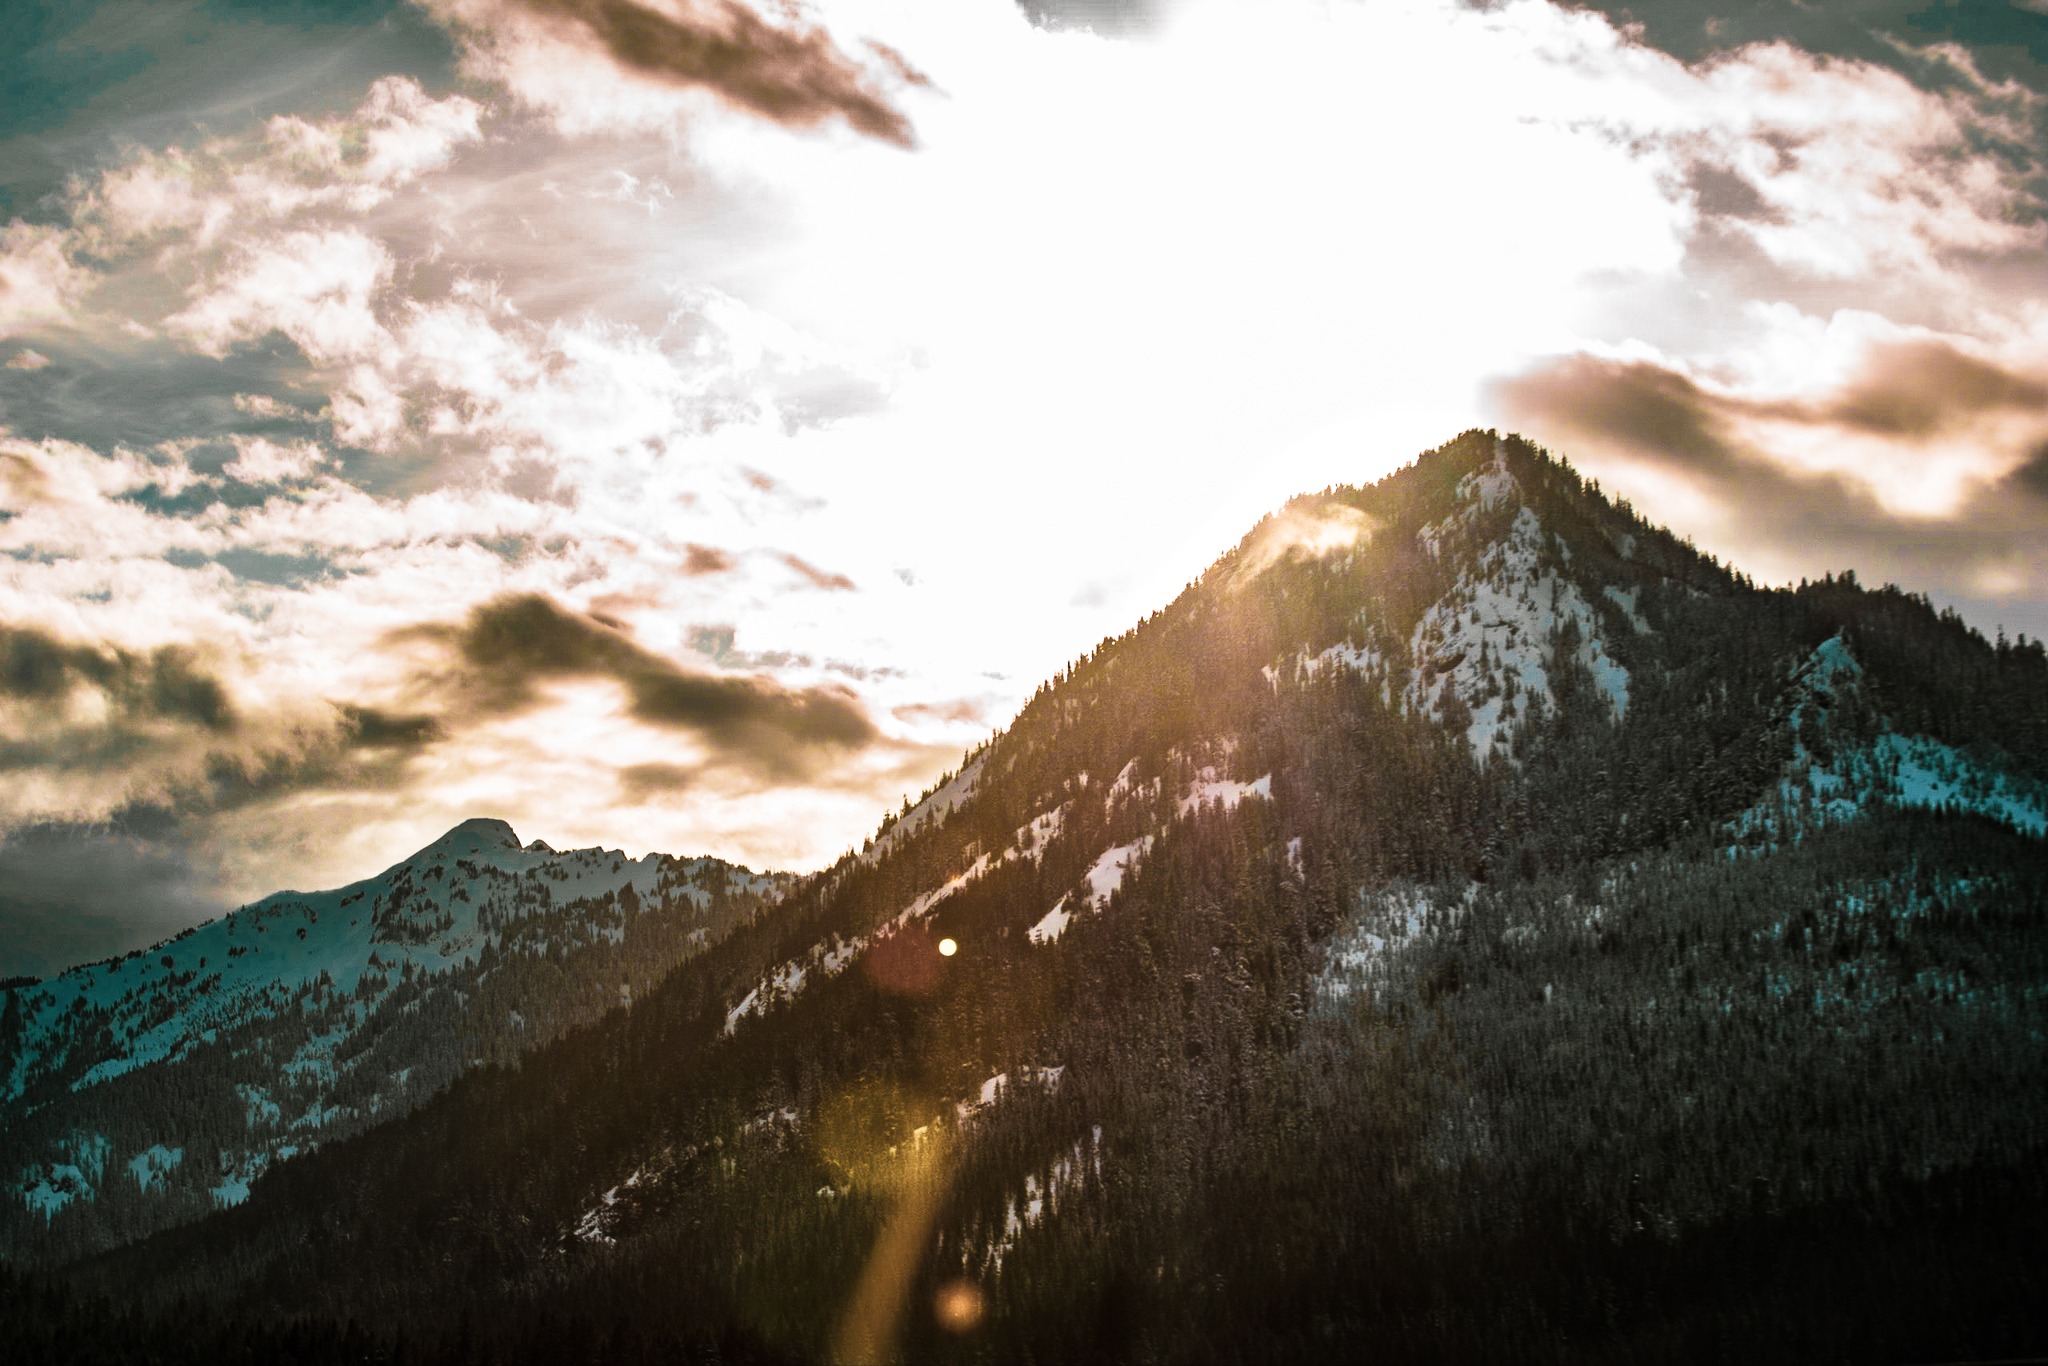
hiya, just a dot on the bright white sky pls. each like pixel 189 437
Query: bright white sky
pixel 901 401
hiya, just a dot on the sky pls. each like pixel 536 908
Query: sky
pixel 689 425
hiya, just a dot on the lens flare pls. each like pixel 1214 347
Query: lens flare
pixel 959 1306
pixel 947 948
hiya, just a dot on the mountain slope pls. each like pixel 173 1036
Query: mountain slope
pixel 157 1086
pixel 1467 924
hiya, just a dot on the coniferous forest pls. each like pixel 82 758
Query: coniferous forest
pixel 1497 932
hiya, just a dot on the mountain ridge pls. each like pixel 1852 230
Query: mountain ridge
pixel 322 968
pixel 1351 933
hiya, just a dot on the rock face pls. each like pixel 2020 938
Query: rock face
pixel 1467 924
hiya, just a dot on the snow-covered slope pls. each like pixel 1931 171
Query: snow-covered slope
pixel 1838 772
pixel 311 1014
pixel 1485 652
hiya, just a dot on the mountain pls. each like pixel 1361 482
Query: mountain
pixel 155 1087
pixel 1468 924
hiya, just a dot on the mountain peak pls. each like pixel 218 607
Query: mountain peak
pixel 480 832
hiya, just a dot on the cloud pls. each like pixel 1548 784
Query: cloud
pixel 2031 478
pixel 258 461
pixel 1098 16
pixel 75 893
pixel 964 710
pixel 1830 478
pixel 40 284
pixel 797 77
pixel 641 782
pixel 165 684
pixel 506 647
pixel 1304 529
pixel 91 728
pixel 373 728
pixel 1923 388
pixel 699 560
pixel 315 287
pixel 1806 159
pixel 816 577
pixel 348 164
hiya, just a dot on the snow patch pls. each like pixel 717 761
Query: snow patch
pixel 1104 877
pixel 1209 788
pixel 1827 782
pixel 1625 599
pixel 1123 784
pixel 942 802
pixel 1344 655
pixel 1044 1191
pixel 239 1171
pixel 1054 921
pixel 154 1164
pixel 1487 647
pixel 1362 953
pixel 833 956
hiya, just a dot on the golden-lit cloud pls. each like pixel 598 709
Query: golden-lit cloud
pixel 1923 463
pixel 1305 529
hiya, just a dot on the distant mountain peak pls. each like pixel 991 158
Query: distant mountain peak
pixel 296 997
pixel 479 833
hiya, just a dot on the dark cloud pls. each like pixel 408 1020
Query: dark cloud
pixel 167 683
pixel 797 78
pixel 639 782
pixel 1617 414
pixel 1720 192
pixel 72 894
pixel 374 729
pixel 819 578
pixel 1635 404
pixel 167 703
pixel 699 560
pixel 1904 391
pixel 1922 389
pixel 2031 478
pixel 510 644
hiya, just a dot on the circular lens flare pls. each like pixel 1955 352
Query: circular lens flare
pixel 947 948
pixel 959 1306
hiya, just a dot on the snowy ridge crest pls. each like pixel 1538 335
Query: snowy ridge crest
pixel 1483 655
pixel 1832 778
pixel 301 981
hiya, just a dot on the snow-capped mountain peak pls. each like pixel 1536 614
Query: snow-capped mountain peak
pixel 304 985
